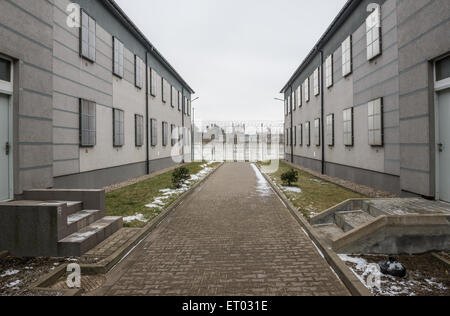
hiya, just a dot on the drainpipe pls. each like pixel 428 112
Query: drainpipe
pixel 147 114
pixel 182 123
pixel 292 126
pixel 322 110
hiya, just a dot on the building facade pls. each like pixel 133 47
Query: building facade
pixel 370 102
pixel 85 99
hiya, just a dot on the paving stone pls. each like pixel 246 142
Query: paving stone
pixel 232 236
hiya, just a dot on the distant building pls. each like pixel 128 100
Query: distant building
pixel 237 141
pixel 371 102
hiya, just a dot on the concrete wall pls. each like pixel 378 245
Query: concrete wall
pixel 75 78
pixel 26 32
pixel 423 32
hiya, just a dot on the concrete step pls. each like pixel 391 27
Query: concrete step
pixel 72 206
pixel 80 220
pixel 329 232
pixel 348 221
pixel 87 238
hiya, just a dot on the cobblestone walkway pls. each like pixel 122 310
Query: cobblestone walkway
pixel 233 236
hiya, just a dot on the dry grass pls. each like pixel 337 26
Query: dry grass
pixel 131 200
pixel 317 195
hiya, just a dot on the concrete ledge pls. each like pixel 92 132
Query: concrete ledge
pixel 46 281
pixel 349 279
pixel 397 234
pixel 92 199
pixel 109 263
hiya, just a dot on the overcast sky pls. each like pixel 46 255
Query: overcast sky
pixel 235 54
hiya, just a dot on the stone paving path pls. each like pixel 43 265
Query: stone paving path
pixel 233 236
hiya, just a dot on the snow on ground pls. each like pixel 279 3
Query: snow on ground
pixel 9 273
pixel 137 217
pixel 292 189
pixel 13 284
pixel 263 187
pixel 391 286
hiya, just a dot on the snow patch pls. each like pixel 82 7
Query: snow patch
pixel 292 189
pixel 13 284
pixel 9 273
pixel 137 217
pixel 263 187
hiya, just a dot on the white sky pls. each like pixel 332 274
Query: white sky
pixel 235 54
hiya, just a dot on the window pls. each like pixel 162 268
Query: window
pixel 139 72
pixel 294 98
pixel 376 122
pixel 306 85
pixel 287 137
pixel 154 132
pixel 329 71
pixel 316 82
pixel 286 107
pixel 172 97
pixel 290 104
pixel 5 70
pixel 295 135
pixel 347 56
pixel 139 130
pixel 330 130
pixel 300 129
pixel 87 36
pixel 163 90
pixel 118 127
pixel 373 32
pixel 88 134
pixel 299 96
pixel 184 105
pixel 317 132
pixel 180 101
pixel 153 82
pixel 188 107
pixel 348 127
pixel 308 133
pixel 442 69
pixel 164 133
pixel 172 135
pixel 118 57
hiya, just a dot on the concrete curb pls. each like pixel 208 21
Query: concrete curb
pixel 51 278
pixel 440 258
pixel 3 254
pixel 349 279
pixel 109 263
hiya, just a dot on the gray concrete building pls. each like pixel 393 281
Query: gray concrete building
pixel 371 101
pixel 85 99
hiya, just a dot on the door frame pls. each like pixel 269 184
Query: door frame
pixel 439 86
pixel 7 88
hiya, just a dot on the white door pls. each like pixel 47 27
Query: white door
pixel 5 176
pixel 444 144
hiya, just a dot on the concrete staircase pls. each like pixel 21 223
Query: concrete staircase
pixel 56 223
pixel 361 227
pixel 344 221
pixel 84 229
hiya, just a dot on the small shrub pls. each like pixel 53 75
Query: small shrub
pixel 289 177
pixel 179 176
